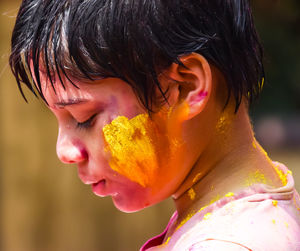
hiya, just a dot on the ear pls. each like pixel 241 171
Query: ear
pixel 195 82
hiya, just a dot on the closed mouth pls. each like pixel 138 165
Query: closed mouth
pixel 100 181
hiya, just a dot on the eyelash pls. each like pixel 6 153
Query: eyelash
pixel 86 124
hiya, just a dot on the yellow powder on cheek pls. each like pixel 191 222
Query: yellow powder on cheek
pixel 140 146
pixel 131 148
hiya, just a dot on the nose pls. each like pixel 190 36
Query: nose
pixel 68 150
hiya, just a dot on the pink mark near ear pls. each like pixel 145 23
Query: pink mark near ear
pixel 199 97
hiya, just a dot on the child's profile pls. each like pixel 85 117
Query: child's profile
pixel 152 99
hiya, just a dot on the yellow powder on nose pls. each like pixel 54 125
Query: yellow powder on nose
pixel 275 203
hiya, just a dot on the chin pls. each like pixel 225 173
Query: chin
pixel 129 205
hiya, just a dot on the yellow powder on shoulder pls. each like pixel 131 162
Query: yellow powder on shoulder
pixel 255 177
pixel 207 216
pixel 230 194
pixel 254 144
pixel 166 242
pixel 187 218
pixel 282 176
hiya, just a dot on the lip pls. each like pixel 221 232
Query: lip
pixel 100 189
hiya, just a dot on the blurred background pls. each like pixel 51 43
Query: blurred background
pixel 44 206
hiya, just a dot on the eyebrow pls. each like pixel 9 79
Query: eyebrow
pixel 69 102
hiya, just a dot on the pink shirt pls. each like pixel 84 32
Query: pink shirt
pixel 258 218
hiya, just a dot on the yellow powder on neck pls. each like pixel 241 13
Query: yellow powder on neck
pixel 255 178
pixel 191 194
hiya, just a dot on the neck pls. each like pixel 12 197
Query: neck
pixel 238 162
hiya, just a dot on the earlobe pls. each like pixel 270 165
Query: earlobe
pixel 195 82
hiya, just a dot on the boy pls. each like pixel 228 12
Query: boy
pixel 151 99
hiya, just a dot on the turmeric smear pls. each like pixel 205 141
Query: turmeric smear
pixel 140 146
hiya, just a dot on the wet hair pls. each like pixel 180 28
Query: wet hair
pixel 135 40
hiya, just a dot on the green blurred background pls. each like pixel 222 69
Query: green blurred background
pixel 44 206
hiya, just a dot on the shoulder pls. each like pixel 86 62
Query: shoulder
pixel 243 225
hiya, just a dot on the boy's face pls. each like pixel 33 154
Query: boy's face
pixel 118 149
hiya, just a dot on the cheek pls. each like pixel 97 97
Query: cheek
pixel 146 152
pixel 131 149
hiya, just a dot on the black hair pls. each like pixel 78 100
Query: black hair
pixel 135 40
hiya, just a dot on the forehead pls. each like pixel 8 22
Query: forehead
pixel 59 93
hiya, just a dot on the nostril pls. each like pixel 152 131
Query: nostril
pixel 70 154
pixel 83 153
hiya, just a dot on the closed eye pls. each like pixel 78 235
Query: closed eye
pixel 86 124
